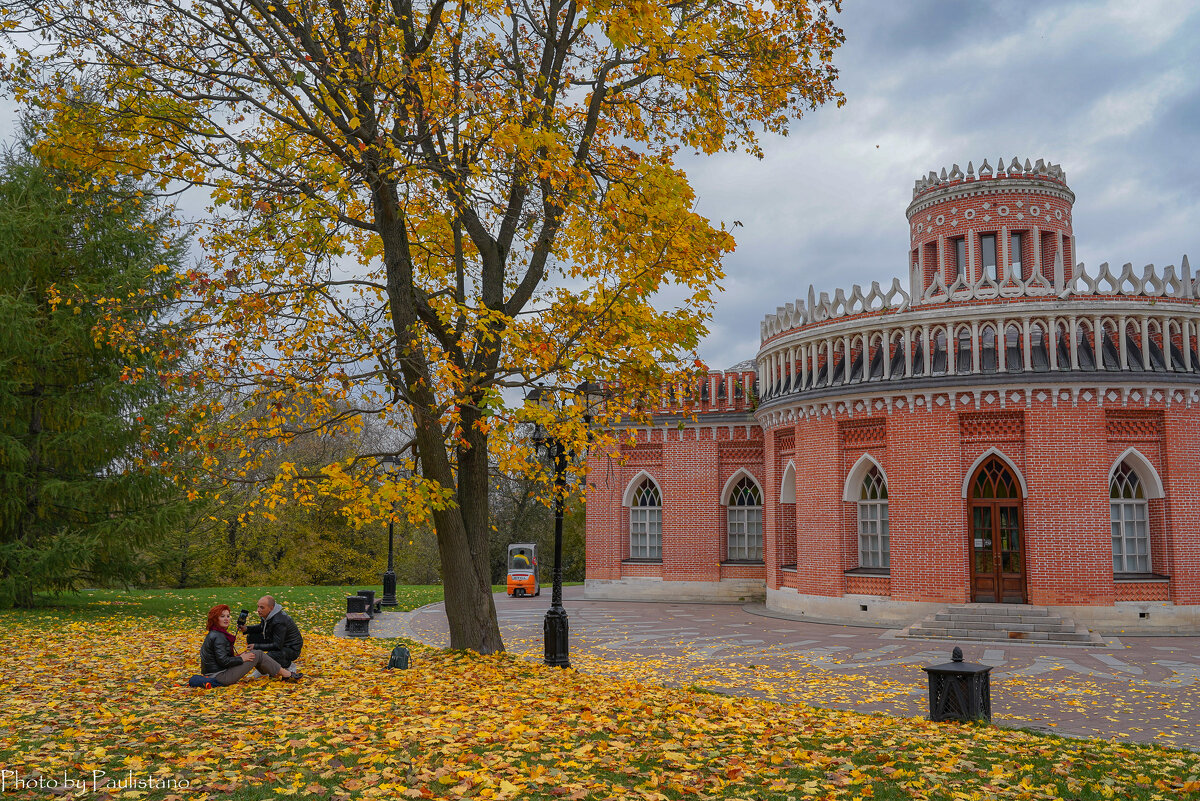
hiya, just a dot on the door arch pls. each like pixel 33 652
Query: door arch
pixel 996 526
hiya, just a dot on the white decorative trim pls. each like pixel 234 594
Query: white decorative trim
pixel 627 498
pixel 857 473
pixel 1168 284
pixel 1145 471
pixel 1004 458
pixel 787 487
pixel 733 480
pixel 801 409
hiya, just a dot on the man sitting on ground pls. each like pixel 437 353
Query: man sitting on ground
pixel 278 635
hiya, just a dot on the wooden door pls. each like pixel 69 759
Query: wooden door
pixel 995 514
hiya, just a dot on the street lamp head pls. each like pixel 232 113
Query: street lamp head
pixel 590 394
pixel 589 390
pixel 539 397
pixel 391 463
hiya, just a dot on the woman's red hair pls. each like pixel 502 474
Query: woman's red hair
pixel 214 614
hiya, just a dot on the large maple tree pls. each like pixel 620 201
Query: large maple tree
pixel 417 205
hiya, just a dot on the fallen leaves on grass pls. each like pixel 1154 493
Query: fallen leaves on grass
pixel 96 695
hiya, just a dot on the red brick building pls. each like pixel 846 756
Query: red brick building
pixel 998 426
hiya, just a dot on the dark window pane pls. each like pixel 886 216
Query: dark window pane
pixel 987 254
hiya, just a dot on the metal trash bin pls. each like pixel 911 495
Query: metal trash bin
pixel 370 596
pixel 959 690
pixel 358 622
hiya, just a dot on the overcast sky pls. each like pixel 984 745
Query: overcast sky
pixel 1109 90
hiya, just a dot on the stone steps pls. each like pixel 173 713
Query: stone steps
pixel 1002 623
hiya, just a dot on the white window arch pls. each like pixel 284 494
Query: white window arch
pixel 854 478
pixel 1151 482
pixel 645 518
pixel 1009 463
pixel 787 487
pixel 743 521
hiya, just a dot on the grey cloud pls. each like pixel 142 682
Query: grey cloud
pixel 1109 90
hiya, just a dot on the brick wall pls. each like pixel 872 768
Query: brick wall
pixel 1063 450
pixel 1181 483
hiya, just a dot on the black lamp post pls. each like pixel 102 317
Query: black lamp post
pixel 555 626
pixel 390 465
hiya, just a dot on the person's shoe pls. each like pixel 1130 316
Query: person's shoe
pixel 295 676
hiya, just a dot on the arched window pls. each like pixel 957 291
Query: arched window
pixel 1130 531
pixel 965 362
pixel 987 349
pixel 744 522
pixel 873 546
pixel 645 522
pixel 938 357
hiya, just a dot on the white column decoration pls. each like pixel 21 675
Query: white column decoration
pixel 951 352
pixel 1052 342
pixel 886 353
pixel 976 347
pixel 848 344
pixel 1073 343
pixel 907 342
pixel 928 361
pixel 1001 347
pixel 1025 347
pixel 1122 340
pixel 1185 327
pixel 1145 321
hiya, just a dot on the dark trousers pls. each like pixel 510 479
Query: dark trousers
pixel 261 662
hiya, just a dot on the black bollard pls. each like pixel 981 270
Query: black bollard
pixel 959 690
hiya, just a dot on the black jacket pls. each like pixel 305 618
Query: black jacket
pixel 278 636
pixel 217 654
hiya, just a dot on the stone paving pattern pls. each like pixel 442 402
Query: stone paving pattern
pixel 1142 689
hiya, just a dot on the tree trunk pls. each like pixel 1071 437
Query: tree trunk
pixel 462 530
pixel 466 578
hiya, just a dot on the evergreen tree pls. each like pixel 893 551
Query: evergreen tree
pixel 81 432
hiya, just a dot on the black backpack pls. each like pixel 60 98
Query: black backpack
pixel 399 659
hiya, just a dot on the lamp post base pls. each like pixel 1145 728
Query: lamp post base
pixel 389 589
pixel 556 629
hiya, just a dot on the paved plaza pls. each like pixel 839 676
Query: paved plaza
pixel 1142 689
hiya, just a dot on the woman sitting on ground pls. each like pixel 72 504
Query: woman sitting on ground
pixel 218 660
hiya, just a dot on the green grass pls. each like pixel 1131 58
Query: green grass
pixel 315 608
